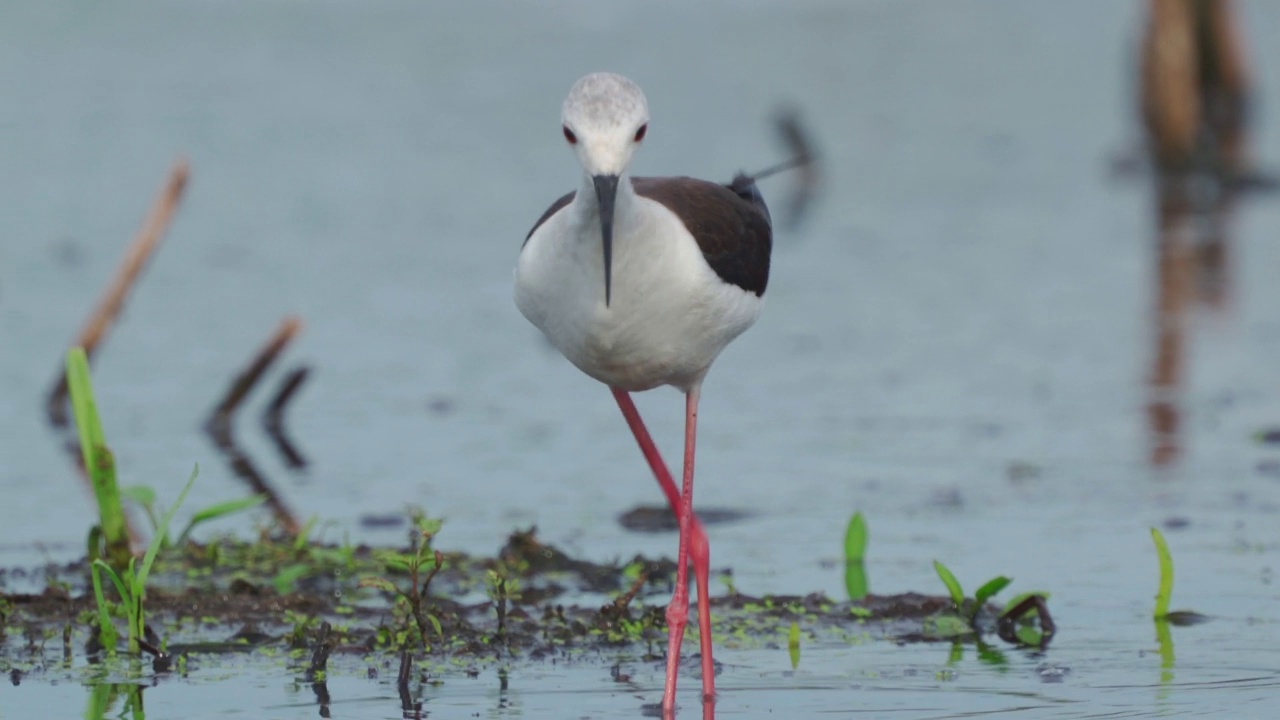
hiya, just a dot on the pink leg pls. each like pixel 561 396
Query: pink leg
pixel 691 533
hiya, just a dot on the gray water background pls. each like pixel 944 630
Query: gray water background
pixel 973 291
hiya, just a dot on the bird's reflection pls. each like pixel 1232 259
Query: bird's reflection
pixel 1194 93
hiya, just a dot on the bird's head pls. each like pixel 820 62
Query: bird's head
pixel 604 118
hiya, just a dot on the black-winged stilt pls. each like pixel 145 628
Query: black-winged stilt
pixel 641 282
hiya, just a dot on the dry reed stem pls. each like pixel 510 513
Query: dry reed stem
pixel 112 302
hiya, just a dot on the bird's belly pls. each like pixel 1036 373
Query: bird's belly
pixel 638 355
pixel 658 329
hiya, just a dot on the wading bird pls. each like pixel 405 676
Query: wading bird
pixel 641 282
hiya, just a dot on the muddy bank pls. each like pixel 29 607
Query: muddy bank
pixel 529 601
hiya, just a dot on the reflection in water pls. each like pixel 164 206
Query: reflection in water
pixel 1194 93
pixel 1165 638
pixel 219 425
pixel 102 700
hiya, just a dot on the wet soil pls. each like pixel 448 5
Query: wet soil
pixel 529 601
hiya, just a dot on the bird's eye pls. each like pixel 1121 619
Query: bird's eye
pixel 568 135
pixel 640 133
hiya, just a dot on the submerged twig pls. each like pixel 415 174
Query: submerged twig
pixel 161 661
pixel 418 593
pixel 624 600
pixel 112 301
pixel 222 415
pixel 219 424
pixel 320 654
pixel 500 589
pixel 1006 626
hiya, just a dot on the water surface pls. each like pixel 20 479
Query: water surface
pixel 957 342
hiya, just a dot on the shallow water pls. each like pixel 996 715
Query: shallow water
pixel 957 342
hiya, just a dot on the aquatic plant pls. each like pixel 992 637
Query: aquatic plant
pixel 965 608
pixel 132 583
pixel 112 536
pixel 412 563
pixel 1164 592
pixel 145 497
pixel 855 548
pixel 1014 624
pixel 501 588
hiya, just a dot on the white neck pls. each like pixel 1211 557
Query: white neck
pixel 589 206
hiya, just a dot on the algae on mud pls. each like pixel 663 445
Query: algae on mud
pixel 530 601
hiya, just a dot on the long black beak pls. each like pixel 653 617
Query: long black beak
pixel 606 193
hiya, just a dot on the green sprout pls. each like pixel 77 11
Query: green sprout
pixel 953 585
pixel 413 563
pixel 145 497
pixel 855 548
pixel 969 609
pixel 1163 616
pixel 1165 591
pixel 501 588
pixel 132 583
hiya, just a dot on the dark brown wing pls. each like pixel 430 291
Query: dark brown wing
pixel 730 223
pixel 555 207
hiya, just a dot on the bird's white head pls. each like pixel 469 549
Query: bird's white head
pixel 605 117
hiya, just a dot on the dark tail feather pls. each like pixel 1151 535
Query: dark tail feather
pixel 802 157
pixel 744 186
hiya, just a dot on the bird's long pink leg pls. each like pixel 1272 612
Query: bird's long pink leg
pixel 697 546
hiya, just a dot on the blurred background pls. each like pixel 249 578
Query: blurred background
pixel 981 334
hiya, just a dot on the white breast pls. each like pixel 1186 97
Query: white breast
pixel 670 315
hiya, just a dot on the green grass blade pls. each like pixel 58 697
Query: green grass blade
pixel 222 509
pixel 99 463
pixel 126 596
pixel 136 622
pixel 140 580
pixel 140 494
pixel 953 585
pixel 990 589
pixel 82 404
pixel 106 631
pixel 855 539
pixel 1165 592
pixel 145 497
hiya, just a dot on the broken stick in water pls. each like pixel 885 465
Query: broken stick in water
pixel 112 302
pixel 219 423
